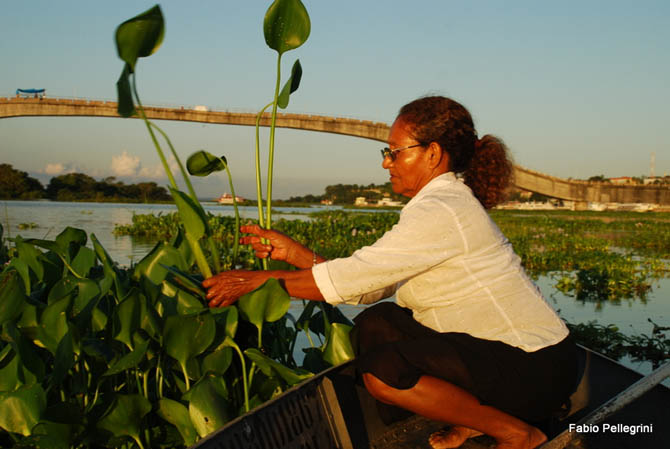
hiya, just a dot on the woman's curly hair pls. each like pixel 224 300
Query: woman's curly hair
pixel 484 162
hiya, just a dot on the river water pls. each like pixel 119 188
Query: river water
pixel 48 218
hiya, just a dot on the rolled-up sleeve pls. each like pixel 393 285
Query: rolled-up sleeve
pixel 425 235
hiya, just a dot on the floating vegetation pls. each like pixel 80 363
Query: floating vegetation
pixel 592 259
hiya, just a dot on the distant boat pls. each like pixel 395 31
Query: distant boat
pixel 227 198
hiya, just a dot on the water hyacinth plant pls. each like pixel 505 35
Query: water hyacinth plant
pixel 92 354
pixel 96 355
pixel 202 163
pixel 139 37
pixel 286 27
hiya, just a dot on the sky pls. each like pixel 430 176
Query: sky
pixel 575 88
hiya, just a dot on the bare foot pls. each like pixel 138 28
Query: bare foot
pixel 530 439
pixel 452 437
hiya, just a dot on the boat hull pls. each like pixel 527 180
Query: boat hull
pixel 332 411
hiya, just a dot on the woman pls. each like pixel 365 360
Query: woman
pixel 471 342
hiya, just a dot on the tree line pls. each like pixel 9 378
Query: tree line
pixel 18 185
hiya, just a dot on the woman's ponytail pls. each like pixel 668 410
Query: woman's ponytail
pixel 490 171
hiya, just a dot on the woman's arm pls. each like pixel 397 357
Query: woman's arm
pixel 279 246
pixel 226 287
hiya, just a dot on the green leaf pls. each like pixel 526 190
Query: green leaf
pixel 86 292
pixel 83 261
pixel 188 304
pixel 306 316
pixel 338 346
pixel 150 321
pixel 128 318
pixel 153 264
pixel 125 415
pixel 291 85
pixel 140 36
pixel 9 370
pixel 50 435
pixel 13 373
pixel 202 163
pixel 218 361
pixel 20 410
pixel 191 213
pixel 268 366
pixel 24 271
pixel 317 323
pixel 30 359
pixel 12 296
pixel 130 360
pixel 125 104
pixel 180 242
pixel 54 324
pixel 28 317
pixel 70 238
pixel 61 289
pixel 99 320
pixel 269 302
pixel 207 405
pixel 286 25
pixel 186 336
pixel 228 317
pixel 185 281
pixel 102 254
pixel 30 255
pixel 63 360
pixel 313 360
pixel 108 267
pixel 177 414
pixel 49 245
pixel 97 348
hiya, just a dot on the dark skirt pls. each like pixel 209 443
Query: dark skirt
pixel 397 349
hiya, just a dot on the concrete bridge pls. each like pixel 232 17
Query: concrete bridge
pixel 581 192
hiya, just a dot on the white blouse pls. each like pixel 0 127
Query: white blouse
pixel 448 262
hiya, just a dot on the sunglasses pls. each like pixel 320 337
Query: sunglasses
pixel 387 152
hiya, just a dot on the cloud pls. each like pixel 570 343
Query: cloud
pixel 126 165
pixel 58 168
pixel 154 172
pixel 158 172
pixel 129 166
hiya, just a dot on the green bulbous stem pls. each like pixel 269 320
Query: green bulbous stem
pixel 244 375
pixel 236 244
pixel 186 379
pixel 271 154
pixel 140 108
pixel 259 190
pixel 200 258
pixel 195 245
pixel 191 190
pixel 184 174
pixel 138 441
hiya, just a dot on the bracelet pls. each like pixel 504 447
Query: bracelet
pixel 313 258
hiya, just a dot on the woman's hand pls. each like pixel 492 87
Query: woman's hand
pixel 278 246
pixel 226 287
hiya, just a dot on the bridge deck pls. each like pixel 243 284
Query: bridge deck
pixel 578 191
